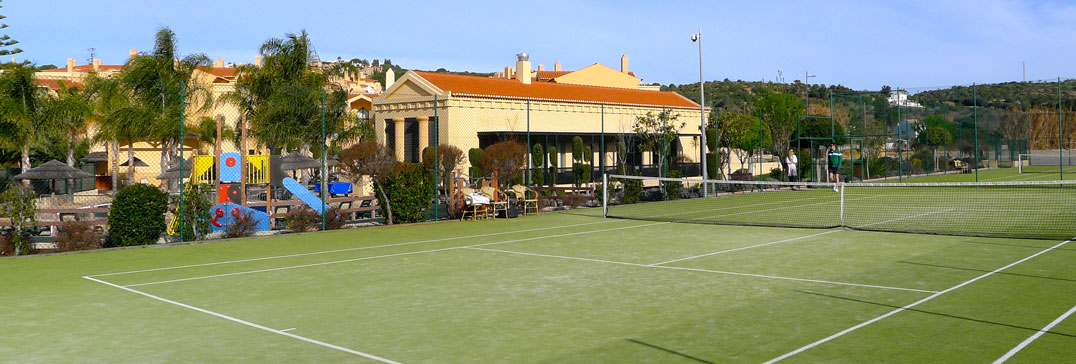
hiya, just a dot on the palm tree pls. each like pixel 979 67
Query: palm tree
pixel 205 132
pixel 107 96
pixel 161 84
pixel 20 112
pixel 66 115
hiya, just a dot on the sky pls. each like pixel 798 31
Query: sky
pixel 861 44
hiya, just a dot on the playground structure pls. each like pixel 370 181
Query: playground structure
pixel 232 173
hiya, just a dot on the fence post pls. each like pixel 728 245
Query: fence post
pixel 182 137
pixel 975 121
pixel 324 167
pixel 530 157
pixel 601 152
pixel 1060 134
pixel 605 195
pixel 437 160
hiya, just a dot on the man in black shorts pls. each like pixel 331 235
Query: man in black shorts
pixel 834 157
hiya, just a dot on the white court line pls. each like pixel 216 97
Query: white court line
pixel 248 323
pixel 286 330
pixel 704 270
pixel 410 253
pixel 904 218
pixel 344 250
pixel 403 243
pixel 385 256
pixel 916 303
pixel 743 248
pixel 1035 336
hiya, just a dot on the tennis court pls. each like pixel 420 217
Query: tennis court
pixel 575 287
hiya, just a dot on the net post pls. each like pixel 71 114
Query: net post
pixel 841 187
pixel 605 195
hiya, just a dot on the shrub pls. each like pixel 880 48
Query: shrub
pixel 674 190
pixel 633 191
pixel 449 157
pixel 777 173
pixel 7 248
pixel 574 200
pixel 197 200
pixel 303 219
pixel 78 235
pixel 335 219
pixel 537 173
pixel 242 226
pixel 506 160
pixel 552 166
pixel 588 158
pixel 475 157
pixel 137 216
pixel 17 204
pixel 917 164
pixel 408 189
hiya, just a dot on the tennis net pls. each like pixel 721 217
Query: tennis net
pixel 1039 210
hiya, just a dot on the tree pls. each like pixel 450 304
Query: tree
pixel 205 132
pixel 538 165
pixel 161 87
pixel 370 158
pixel 449 157
pixel 745 136
pixel 552 165
pixel 657 133
pixel 66 116
pixel 107 97
pixel 21 111
pixel 780 111
pixel 935 132
pixel 6 42
pixel 17 204
pixel 505 160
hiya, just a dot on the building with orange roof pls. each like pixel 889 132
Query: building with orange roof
pixel 597 103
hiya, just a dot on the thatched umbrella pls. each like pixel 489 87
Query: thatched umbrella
pixel 174 172
pixel 293 161
pixel 138 163
pixel 53 170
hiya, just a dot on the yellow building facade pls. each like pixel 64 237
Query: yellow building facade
pixel 596 103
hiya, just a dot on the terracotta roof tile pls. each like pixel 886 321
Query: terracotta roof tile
pixel 220 71
pixel 88 68
pixel 500 87
pixel 55 84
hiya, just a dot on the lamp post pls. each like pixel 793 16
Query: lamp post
pixel 697 38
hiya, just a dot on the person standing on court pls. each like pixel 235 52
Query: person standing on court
pixel 835 157
pixel 791 161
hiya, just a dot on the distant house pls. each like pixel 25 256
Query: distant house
pixel 900 98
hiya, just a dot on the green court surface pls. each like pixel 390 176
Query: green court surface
pixel 556 288
pixel 1034 173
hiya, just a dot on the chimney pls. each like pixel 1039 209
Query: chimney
pixel 556 66
pixel 258 61
pixel 541 68
pixel 523 68
pixel 507 72
pixel 390 78
pixel 13 60
pixel 624 63
pixel 70 66
pixel 219 63
pixel 96 65
pixel 134 52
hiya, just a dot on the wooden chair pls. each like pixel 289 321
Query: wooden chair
pixel 498 200
pixel 477 211
pixel 343 206
pixel 526 198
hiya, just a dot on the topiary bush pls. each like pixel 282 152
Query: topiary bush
pixel 552 166
pixel 409 190
pixel 538 169
pixel 588 161
pixel 674 190
pixel 137 216
pixel 474 155
pixel 633 191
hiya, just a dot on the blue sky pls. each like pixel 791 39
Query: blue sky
pixel 862 44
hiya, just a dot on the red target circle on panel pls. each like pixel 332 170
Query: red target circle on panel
pixel 230 162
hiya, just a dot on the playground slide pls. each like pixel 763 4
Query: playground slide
pixel 304 194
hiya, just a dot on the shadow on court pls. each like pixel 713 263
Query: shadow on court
pixel 938 313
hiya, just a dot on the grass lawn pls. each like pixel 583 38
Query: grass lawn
pixel 555 288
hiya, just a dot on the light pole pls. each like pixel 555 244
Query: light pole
pixel 697 38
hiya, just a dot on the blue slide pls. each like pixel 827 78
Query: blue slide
pixel 304 194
